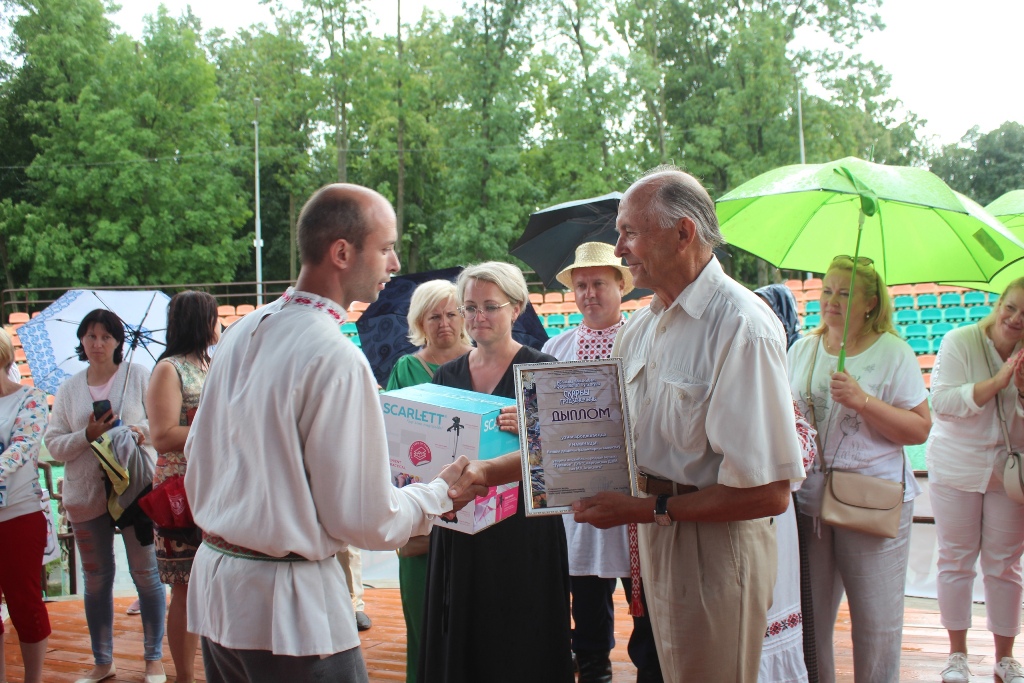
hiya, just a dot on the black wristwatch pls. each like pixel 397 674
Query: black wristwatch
pixel 661 516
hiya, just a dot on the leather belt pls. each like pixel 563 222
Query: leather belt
pixel 228 548
pixel 655 486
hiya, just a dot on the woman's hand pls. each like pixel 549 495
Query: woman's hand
pixel 1007 372
pixel 140 438
pixel 1016 363
pixel 508 420
pixel 96 428
pixel 845 391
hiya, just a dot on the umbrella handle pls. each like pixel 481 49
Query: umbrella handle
pixel 853 281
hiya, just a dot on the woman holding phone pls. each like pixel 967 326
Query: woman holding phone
pixel 171 402
pixel 87 406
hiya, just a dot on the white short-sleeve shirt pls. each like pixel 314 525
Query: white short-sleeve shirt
pixel 888 371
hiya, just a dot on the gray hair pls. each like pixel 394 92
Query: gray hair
pixel 508 278
pixel 678 194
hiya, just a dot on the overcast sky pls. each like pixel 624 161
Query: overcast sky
pixel 956 64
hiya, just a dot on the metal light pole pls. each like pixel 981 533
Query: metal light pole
pixel 800 122
pixel 258 242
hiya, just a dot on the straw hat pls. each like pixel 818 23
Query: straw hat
pixel 590 254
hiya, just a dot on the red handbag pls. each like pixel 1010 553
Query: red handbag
pixel 167 504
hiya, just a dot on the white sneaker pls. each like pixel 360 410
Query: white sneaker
pixel 956 670
pixel 1009 670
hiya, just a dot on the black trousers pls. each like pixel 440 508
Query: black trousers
pixel 224 665
pixel 593 614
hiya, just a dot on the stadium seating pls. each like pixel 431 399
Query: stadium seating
pixel 927 301
pixel 902 302
pixel 907 317
pixel 930 315
pixel 916 331
pixel 954 314
pixel 919 346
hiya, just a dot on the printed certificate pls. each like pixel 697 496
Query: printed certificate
pixel 574 433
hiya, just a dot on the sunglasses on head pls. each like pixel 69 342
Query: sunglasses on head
pixel 861 260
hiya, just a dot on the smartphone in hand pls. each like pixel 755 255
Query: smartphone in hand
pixel 100 408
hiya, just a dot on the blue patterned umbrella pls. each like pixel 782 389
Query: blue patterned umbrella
pixel 50 338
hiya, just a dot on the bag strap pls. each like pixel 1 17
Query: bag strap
pixel 425 366
pixel 814 423
pixel 810 409
pixel 998 398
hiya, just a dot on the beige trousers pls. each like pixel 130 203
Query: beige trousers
pixel 352 564
pixel 709 587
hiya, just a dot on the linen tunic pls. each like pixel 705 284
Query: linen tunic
pixel 288 454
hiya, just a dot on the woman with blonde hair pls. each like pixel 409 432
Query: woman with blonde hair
pixel 505 589
pixel 437 327
pixel 864 416
pixel 978 396
pixel 23 531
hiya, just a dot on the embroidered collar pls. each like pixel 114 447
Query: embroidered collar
pixel 594 344
pixel 316 302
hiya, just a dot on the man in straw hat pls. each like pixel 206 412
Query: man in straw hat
pixel 705 368
pixel 599 557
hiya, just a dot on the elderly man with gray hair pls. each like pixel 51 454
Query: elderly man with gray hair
pixel 705 369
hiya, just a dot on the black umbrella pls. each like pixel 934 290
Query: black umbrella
pixel 549 242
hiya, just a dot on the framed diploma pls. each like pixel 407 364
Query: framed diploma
pixel 574 433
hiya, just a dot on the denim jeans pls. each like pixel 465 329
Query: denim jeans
pixel 95 539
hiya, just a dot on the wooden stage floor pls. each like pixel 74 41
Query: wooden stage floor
pixel 69 655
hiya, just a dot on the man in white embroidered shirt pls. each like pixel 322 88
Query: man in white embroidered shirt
pixel 288 463
pixel 713 423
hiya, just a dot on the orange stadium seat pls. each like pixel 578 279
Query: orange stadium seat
pixel 242 309
pixel 536 299
pixel 553 298
pixel 225 310
pixel 17 318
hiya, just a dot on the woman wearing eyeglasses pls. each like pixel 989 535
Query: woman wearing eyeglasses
pixel 497 606
pixel 864 416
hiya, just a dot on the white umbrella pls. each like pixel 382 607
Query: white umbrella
pixel 50 338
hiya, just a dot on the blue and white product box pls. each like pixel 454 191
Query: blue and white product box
pixel 428 426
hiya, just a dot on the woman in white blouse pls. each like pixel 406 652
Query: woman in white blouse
pixel 864 417
pixel 977 383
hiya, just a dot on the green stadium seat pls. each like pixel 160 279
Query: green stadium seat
pixel 954 314
pixel 902 302
pixel 907 317
pixel 349 329
pixel 553 331
pixel 575 319
pixel 974 298
pixel 811 321
pixel 993 298
pixel 812 307
pixel 931 315
pixel 976 313
pixel 916 331
pixel 556 320
pixel 920 346
pixel 933 344
pixel 355 340
pixel 927 301
pixel 951 299
pixel 939 330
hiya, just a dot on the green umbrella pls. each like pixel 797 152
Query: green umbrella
pixel 1009 209
pixel 913 226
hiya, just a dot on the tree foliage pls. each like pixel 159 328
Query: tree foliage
pixel 131 161
pixel 984 166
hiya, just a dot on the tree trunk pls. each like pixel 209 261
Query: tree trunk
pixel 400 190
pixel 292 236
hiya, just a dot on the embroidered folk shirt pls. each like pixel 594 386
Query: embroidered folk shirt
pixel 288 454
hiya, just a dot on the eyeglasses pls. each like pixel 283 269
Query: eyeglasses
pixel 861 260
pixel 470 312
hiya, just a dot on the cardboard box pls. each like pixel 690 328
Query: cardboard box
pixel 429 425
